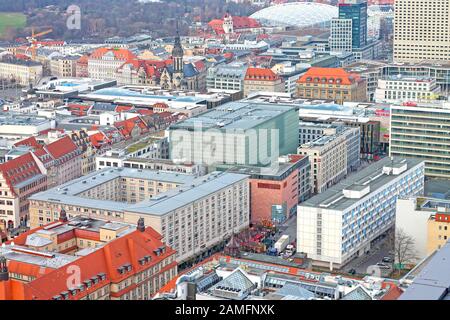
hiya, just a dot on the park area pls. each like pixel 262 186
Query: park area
pixel 11 20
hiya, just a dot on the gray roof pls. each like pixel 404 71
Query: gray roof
pixel 333 198
pixel 292 290
pixel 191 189
pixel 84 183
pixel 54 260
pixel 235 115
pixel 359 293
pixel 433 282
pixel 237 280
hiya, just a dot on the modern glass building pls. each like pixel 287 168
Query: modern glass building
pixel 355 10
pixel 236 133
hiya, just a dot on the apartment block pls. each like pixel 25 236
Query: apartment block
pixel 64 67
pixel 332 156
pixel 226 77
pixel 20 178
pixel 260 79
pixel 397 89
pixel 103 62
pixel 193 215
pixel 340 224
pixel 24 72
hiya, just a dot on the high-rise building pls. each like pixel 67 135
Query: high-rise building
pixel 421 130
pixel 422 30
pixel 356 11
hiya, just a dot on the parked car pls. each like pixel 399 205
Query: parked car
pixel 382 265
pixel 387 259
pixel 352 271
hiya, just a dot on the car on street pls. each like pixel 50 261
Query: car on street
pixel 382 265
pixel 387 259
pixel 352 271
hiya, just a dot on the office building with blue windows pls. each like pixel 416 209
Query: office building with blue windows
pixel 356 11
pixel 341 223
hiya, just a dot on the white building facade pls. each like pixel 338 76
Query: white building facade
pixel 339 225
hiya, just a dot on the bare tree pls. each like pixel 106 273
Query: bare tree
pixel 404 248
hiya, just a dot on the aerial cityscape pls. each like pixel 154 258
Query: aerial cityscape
pixel 231 150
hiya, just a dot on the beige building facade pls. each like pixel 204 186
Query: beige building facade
pixel 421 30
pixel 192 214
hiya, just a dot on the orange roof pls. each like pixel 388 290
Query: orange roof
pixel 238 23
pixel 123 108
pixel 99 139
pixel 118 252
pixel 261 74
pixel 393 293
pixel 126 127
pixel 119 54
pixel 150 67
pixel 327 74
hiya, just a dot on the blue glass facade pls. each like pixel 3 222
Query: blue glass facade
pixel 357 11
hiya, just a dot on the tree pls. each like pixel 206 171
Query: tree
pixel 404 248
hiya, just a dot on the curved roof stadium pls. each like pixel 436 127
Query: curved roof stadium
pixel 296 14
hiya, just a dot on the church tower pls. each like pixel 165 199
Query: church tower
pixel 228 24
pixel 178 65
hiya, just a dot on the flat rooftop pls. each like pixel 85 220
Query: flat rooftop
pixel 235 115
pixel 373 176
pixel 190 189
pixel 139 97
pixel 17 119
pixel 433 281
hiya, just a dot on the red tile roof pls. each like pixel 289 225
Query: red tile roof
pixel 126 127
pixel 261 74
pixel 393 293
pixel 30 142
pixel 118 252
pixel 99 139
pixel 145 112
pixel 123 108
pixel 329 74
pixel 19 169
pixel 61 147
pixel 150 68
pixel 238 23
pixel 119 54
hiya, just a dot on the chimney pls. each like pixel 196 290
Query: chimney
pixel 141 225
pixel 4 275
pixel 63 215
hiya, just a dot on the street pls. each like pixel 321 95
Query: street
pixel 363 263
